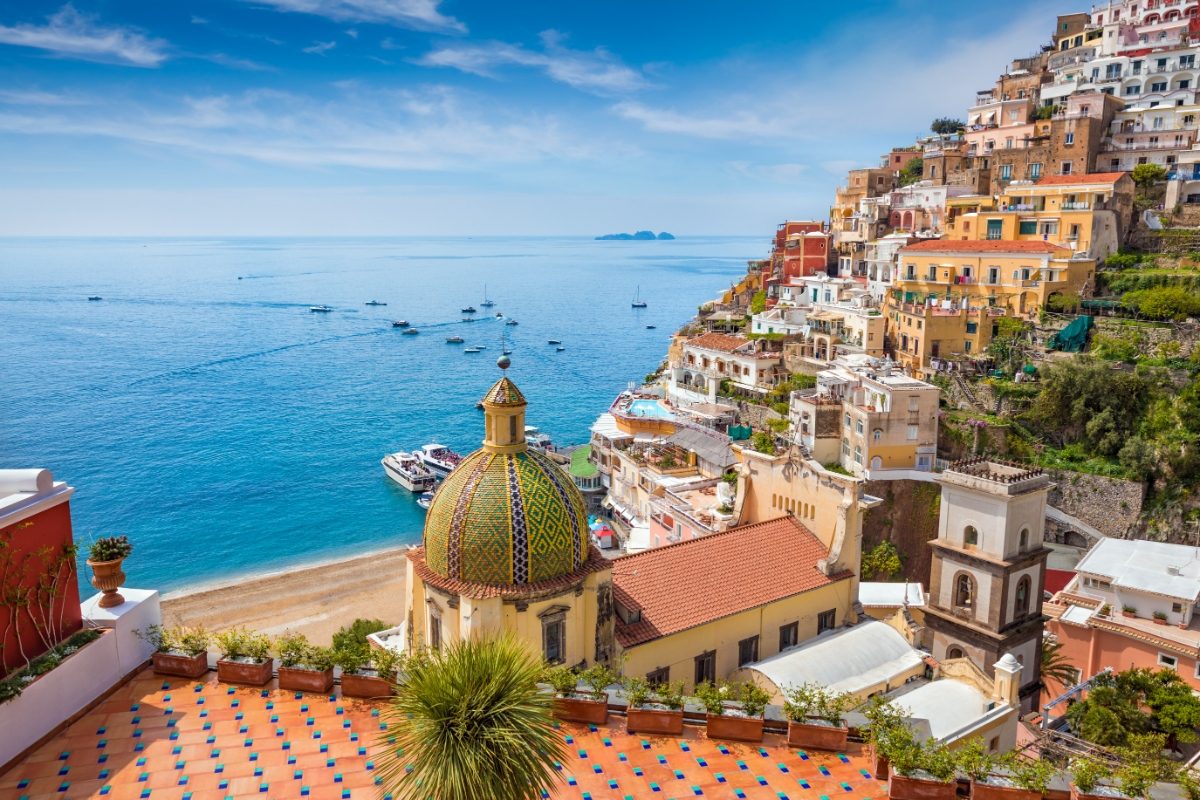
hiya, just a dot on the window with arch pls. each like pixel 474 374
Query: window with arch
pixel 970 536
pixel 1024 538
pixel 1021 606
pixel 877 434
pixel 954 652
pixel 964 591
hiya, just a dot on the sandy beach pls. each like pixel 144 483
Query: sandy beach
pixel 314 599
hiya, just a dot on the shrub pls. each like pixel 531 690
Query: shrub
pixel 975 760
pixel 763 442
pixel 672 695
pixel 946 125
pixel 599 677
pixel 1031 774
pixel 110 548
pixel 320 658
pixel 356 632
pixel 753 698
pixel 712 697
pixel 242 644
pixel 1087 772
pixel 812 700
pixel 758 303
pixel 387 663
pixel 1146 175
pixel 352 659
pixel 190 641
pixel 637 692
pixel 563 679
pixel 292 649
pixel 1163 302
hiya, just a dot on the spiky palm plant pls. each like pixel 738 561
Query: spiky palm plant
pixel 1055 666
pixel 469 723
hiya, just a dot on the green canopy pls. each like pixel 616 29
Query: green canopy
pixel 1072 338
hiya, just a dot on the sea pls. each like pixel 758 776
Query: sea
pixel 202 409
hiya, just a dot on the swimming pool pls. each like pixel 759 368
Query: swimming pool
pixel 650 409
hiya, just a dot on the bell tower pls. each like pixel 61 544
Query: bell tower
pixel 504 416
pixel 989 568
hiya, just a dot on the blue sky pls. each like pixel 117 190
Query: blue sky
pixel 376 117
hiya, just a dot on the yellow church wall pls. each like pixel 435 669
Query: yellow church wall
pixel 679 650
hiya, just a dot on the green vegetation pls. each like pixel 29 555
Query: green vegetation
pixel 1046 112
pixel 470 723
pixel 189 641
pixel 758 303
pixel 766 337
pixel 110 548
pixel 946 125
pixel 912 171
pixel 356 632
pixel 1146 175
pixel 763 442
pixel 834 466
pixel 1123 706
pixel 1068 303
pixel 813 701
pixel 12 686
pixel 238 644
pixel 778 425
pixel 882 563
pixel 1163 302
pixel 1057 670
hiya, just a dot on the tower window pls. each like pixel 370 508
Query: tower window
pixel 1024 538
pixel 1021 607
pixel 954 652
pixel 435 631
pixel 970 536
pixel 964 591
pixel 512 428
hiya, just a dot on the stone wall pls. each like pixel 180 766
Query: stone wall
pixel 755 416
pixel 908 517
pixel 1149 336
pixel 1110 505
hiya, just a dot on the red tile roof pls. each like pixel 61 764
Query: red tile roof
pixel 718 341
pixel 1090 178
pixel 982 246
pixel 690 583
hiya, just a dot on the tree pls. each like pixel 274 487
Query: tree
pixel 1163 302
pixel 355 634
pixel 912 171
pixel 946 125
pixel 882 563
pixel 1121 707
pixel 1085 401
pixel 1146 175
pixel 1055 666
pixel 758 303
pixel 470 723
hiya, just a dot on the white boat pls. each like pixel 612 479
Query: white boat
pixel 473 350
pixel 535 438
pixel 400 323
pixel 511 322
pixel 455 340
pixel 320 309
pixel 375 303
pixel 638 302
pixel 409 471
pixel 559 349
pixel 440 460
pixel 487 303
pixel 410 331
pixel 425 500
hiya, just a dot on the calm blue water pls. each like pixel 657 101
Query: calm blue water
pixel 226 429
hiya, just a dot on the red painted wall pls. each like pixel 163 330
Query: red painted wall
pixel 30 551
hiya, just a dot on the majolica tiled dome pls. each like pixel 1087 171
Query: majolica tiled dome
pixel 507 515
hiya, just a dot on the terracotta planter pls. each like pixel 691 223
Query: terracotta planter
pixel 1128 613
pixel 815 736
pixel 297 679
pixel 577 709
pixel 108 577
pixel 180 665
pixel 244 672
pixel 1158 621
pixel 988 791
pixel 661 721
pixel 365 686
pixel 902 787
pixel 1077 794
pixel 880 766
pixel 739 729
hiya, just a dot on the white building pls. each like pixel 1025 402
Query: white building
pixel 1149 577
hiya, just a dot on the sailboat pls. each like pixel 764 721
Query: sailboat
pixel 486 302
pixel 638 302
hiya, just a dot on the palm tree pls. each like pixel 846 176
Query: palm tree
pixel 1056 666
pixel 469 723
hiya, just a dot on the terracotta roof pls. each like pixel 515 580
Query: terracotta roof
pixel 1089 178
pixel 718 341
pixel 690 583
pixel 594 563
pixel 982 246
pixel 504 393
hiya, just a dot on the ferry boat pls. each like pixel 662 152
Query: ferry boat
pixel 487 303
pixel 94 298
pixel 535 438
pixel 511 322
pixel 410 331
pixel 440 460
pixel 375 303
pixel 469 310
pixel 455 340
pixel 638 302
pixel 400 323
pixel 320 309
pixel 425 500
pixel 408 471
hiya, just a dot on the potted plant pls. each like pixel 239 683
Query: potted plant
pixel 105 558
pixel 919 771
pixel 815 717
pixel 1027 778
pixel 245 657
pixel 1128 611
pixel 1086 775
pixel 883 718
pixel 367 672
pixel 179 651
pixel 303 667
pixel 573 704
pixel 658 712
pixel 725 721
pixel 1160 618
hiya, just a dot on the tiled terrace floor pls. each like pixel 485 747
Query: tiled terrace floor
pixel 188 740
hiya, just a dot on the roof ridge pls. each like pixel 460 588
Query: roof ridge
pixel 711 536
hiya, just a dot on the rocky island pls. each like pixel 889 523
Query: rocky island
pixel 640 236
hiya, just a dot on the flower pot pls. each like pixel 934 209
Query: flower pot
pixel 365 686
pixel 1158 621
pixel 298 679
pixel 661 721
pixel 1128 613
pixel 739 729
pixel 578 709
pixel 248 672
pixel 108 577
pixel 879 763
pixel 178 664
pixel 817 735
pixel 903 787
pixel 991 791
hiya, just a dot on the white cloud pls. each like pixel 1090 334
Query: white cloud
pixel 416 14
pixel 233 62
pixel 320 48
pixel 596 70
pixel 776 173
pixel 36 97
pixel 732 126
pixel 70 33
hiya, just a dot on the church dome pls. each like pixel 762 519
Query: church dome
pixel 507 515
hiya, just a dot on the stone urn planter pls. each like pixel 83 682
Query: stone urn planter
pixel 592 708
pixel 993 791
pixel 365 686
pixel 738 729
pixel 906 787
pixel 108 577
pixel 298 679
pixel 815 734
pixel 180 664
pixel 660 721
pixel 252 673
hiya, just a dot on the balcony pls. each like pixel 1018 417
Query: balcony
pixel 1079 205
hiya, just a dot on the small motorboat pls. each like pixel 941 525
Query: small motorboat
pixel 410 331
pixel 553 341
pixel 374 303
pixel 511 322
pixel 651 327
pixel 499 315
pixel 559 349
pixel 455 340
pixel 94 298
pixel 473 350
pixel 439 458
pixel 400 323
pixel 469 310
pixel 425 500
pixel 506 351
pixel 408 471
pixel 468 319
pixel 320 309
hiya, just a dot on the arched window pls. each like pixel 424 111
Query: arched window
pixel 964 591
pixel 970 536
pixel 954 652
pixel 1024 538
pixel 1021 607
pixel 877 434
